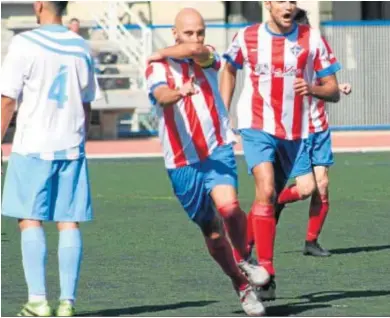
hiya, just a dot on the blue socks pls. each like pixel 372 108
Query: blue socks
pixel 69 259
pixel 34 254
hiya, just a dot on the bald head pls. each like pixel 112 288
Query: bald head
pixel 188 16
pixel 189 26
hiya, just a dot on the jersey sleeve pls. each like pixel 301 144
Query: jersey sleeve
pixel 156 76
pixel 325 63
pixel 234 55
pixel 14 69
pixel 92 92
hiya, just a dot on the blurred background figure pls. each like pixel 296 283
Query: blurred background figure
pixel 74 25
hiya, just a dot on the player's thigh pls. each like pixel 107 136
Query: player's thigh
pixel 71 192
pixel 321 149
pixel 220 171
pixel 189 187
pixel 28 188
pixel 259 148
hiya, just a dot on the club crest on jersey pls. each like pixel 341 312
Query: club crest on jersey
pixel 296 50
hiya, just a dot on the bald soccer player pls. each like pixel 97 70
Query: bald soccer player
pixel 198 150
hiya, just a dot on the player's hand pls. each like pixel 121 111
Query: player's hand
pixel 156 56
pixel 301 87
pixel 188 88
pixel 345 88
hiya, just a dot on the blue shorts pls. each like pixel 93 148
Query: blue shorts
pixel 260 147
pixel 319 147
pixel 192 184
pixel 45 190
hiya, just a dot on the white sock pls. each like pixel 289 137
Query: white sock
pixel 36 298
pixel 70 301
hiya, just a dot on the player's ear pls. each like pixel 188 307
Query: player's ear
pixel 38 6
pixel 267 5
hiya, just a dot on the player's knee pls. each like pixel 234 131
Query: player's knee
pixel 67 226
pixel 230 210
pixel 306 187
pixel 265 192
pixel 323 184
pixel 25 224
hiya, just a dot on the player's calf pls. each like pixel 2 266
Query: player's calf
pixel 221 251
pixel 70 249
pixel 236 226
pixel 319 208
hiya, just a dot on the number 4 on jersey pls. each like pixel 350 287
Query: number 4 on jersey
pixel 57 90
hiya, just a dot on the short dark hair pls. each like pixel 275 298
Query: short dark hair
pixel 301 17
pixel 59 7
pixel 74 20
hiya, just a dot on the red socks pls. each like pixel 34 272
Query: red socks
pixel 319 207
pixel 289 195
pixel 236 226
pixel 264 228
pixel 221 250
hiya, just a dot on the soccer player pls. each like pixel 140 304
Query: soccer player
pixel 321 156
pixel 197 144
pixel 280 60
pixel 49 72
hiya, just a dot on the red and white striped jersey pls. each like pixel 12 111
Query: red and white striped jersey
pixel 272 62
pixel 318 117
pixel 191 129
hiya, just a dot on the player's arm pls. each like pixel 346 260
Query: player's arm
pixel 166 96
pixel 326 66
pixel 14 69
pixel 234 61
pixel 90 94
pixel 7 111
pixel 87 113
pixel 159 91
pixel 228 84
pixel 328 90
pixel 202 54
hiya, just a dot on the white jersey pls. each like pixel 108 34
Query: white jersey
pixel 49 70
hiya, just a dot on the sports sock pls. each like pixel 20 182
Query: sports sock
pixel 250 236
pixel 289 195
pixel 319 207
pixel 34 254
pixel 69 260
pixel 236 226
pixel 264 228
pixel 221 250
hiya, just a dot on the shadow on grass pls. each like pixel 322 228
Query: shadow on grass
pixel 137 310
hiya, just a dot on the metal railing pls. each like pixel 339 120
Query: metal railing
pixel 136 47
